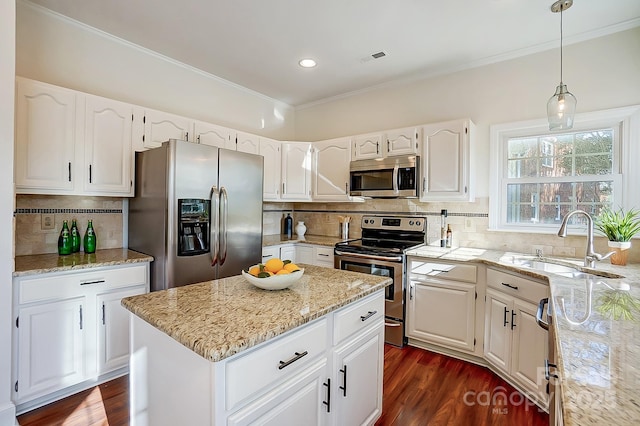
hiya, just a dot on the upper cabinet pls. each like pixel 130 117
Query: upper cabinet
pixel 68 142
pixel 213 135
pixel 296 171
pixel 402 141
pixel 367 147
pixel 270 150
pixel 446 161
pixel 246 142
pixel 161 126
pixel 331 169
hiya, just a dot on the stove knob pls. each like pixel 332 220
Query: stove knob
pixel 417 223
pixel 366 221
pixel 410 223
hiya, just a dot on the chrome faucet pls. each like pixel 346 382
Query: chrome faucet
pixel 590 256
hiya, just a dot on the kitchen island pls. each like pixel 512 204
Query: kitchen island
pixel 226 352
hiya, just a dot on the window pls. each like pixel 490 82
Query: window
pixel 540 176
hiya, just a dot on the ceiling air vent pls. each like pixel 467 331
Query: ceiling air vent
pixel 373 56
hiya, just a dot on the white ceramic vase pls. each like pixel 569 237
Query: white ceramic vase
pixel 300 229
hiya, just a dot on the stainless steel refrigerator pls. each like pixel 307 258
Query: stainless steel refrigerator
pixel 198 211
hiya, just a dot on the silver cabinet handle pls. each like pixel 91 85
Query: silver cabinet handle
pixel 539 319
pixel 296 357
pixel 369 315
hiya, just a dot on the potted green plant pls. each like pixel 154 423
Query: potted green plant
pixel 619 227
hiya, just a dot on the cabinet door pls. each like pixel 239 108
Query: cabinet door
pixel 270 252
pixel 107 147
pixel 357 393
pixel 212 135
pixel 446 162
pixel 304 254
pixel 331 170
pixel 45 138
pixel 296 171
pixel 288 252
pixel 367 147
pixel 497 330
pixel 113 330
pixel 529 348
pixel 270 150
pixel 246 142
pixel 51 347
pixel 161 126
pixel 299 398
pixel 402 141
pixel 442 312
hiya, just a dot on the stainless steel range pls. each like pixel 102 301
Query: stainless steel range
pixel 380 251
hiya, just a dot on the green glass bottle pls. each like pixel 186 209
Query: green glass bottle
pixel 90 239
pixel 64 240
pixel 75 237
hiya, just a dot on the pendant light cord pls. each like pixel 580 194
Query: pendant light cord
pixel 561 9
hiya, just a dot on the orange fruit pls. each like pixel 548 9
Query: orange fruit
pixel 282 272
pixel 254 270
pixel 273 265
pixel 291 267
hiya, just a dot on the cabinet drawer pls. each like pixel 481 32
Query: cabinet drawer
pixel 267 365
pixel 446 271
pixel 356 317
pixel 59 286
pixel 323 256
pixel 517 285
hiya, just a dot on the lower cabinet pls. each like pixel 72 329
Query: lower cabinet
pixel 69 327
pixel 300 253
pixel 513 341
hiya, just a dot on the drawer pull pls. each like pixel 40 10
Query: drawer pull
pixel 513 323
pixel 369 315
pixel 505 317
pixel 92 282
pixel 328 401
pixel 344 380
pixel 323 254
pixel 515 287
pixel 548 375
pixel 297 356
pixel 439 270
pixel 542 323
pixel 266 255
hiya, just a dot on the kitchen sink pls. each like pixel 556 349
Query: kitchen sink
pixel 544 265
pixel 540 265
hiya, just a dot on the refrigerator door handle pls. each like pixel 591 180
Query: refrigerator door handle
pixel 223 224
pixel 214 227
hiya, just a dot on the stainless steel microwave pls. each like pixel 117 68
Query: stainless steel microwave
pixel 391 177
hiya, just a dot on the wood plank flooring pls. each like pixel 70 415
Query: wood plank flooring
pixel 420 388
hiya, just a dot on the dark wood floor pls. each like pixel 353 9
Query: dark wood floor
pixel 420 388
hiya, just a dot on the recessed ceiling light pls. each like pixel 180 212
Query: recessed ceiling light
pixel 307 63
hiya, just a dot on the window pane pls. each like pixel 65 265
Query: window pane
pixel 522 148
pixel 523 168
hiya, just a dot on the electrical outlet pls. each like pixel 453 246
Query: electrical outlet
pixel 468 224
pixel 47 221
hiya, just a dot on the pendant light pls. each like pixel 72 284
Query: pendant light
pixel 561 108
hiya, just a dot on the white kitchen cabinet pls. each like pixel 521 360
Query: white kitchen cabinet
pixel 71 143
pixel 304 254
pixel 367 147
pixel 70 330
pixel 289 252
pixel 246 142
pixel 51 346
pixel 296 171
pixel 513 342
pixel 270 252
pixel 270 150
pixel 45 148
pixel 331 169
pixel 108 147
pixel 447 173
pixel 161 126
pixel 359 379
pixel 441 303
pixel 213 135
pixel 113 329
pixel 402 141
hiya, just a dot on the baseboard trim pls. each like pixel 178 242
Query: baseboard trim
pixel 8 414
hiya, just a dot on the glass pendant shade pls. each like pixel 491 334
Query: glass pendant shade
pixel 561 109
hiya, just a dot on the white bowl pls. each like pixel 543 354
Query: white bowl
pixel 274 282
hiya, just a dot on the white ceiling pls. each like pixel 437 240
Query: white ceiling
pixel 258 43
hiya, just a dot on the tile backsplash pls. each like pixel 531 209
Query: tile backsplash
pixel 106 213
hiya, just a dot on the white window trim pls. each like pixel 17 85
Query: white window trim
pixel 627 169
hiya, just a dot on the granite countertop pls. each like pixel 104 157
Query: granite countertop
pixel 219 318
pixel 52 262
pixel 598 346
pixel 320 240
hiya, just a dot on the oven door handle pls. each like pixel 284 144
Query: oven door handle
pixel 369 256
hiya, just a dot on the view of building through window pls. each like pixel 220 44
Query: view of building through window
pixel 550 175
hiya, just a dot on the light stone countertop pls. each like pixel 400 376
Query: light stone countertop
pixel 219 318
pixel 320 240
pixel 598 351
pixel 53 262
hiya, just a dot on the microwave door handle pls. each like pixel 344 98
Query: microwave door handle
pixel 214 227
pixel 396 178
